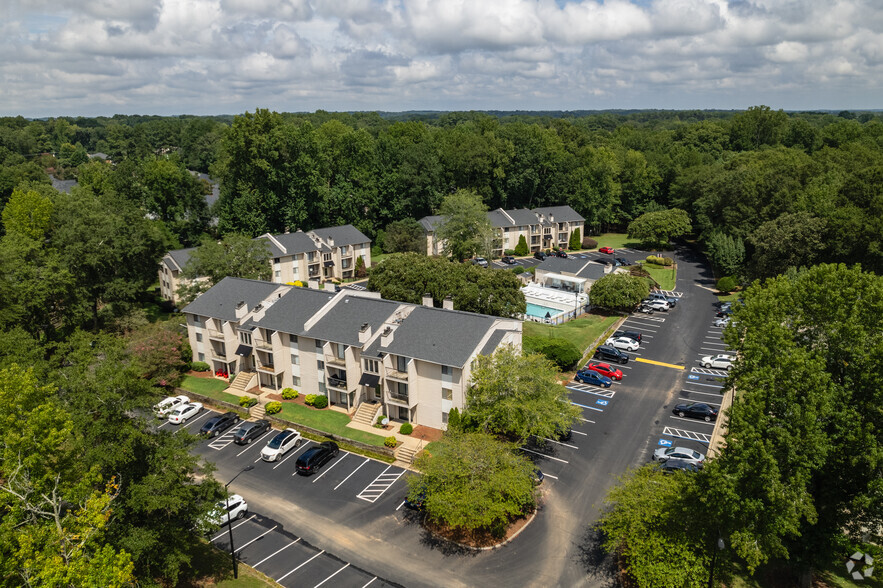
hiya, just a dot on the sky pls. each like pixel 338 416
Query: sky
pixel 103 57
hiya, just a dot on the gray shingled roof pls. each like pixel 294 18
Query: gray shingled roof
pixel 498 219
pixel 593 271
pixel 341 324
pixel 180 257
pixel 297 306
pixel 561 213
pixel 523 217
pixel 297 242
pixel 344 235
pixel 445 337
pixel 431 223
pixel 560 265
pixel 491 345
pixel 221 299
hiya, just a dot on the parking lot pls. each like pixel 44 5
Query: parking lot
pixel 528 262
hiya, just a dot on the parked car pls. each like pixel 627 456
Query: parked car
pixel 643 308
pixel 606 250
pixel 605 369
pixel 608 353
pixel 623 343
pixel 630 334
pixel 539 255
pixel 282 443
pixel 315 457
pixel 673 466
pixel 221 514
pixel 508 259
pixel 684 453
pixel 722 321
pixel 660 305
pixel 696 410
pixel 622 261
pixel 724 312
pixel 672 301
pixel 480 261
pixel 592 377
pixel 720 361
pixel 249 431
pixel 218 424
pixel 168 404
pixel 180 415
pixel 561 254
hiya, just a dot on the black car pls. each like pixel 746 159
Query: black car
pixel 633 335
pixel 250 431
pixel 608 353
pixel 622 261
pixel 539 255
pixel 508 259
pixel 696 410
pixel 218 424
pixel 671 466
pixel 315 457
pixel 561 254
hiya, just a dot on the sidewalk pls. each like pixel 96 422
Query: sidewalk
pixel 408 442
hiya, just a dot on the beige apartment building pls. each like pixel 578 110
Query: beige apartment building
pixel 352 346
pixel 542 228
pixel 320 255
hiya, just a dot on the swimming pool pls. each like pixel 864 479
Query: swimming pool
pixel 540 311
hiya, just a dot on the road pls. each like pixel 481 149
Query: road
pixel 354 510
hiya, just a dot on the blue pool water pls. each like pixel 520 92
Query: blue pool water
pixel 540 311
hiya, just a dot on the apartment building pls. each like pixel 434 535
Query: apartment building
pixel 321 254
pixel 351 346
pixel 542 228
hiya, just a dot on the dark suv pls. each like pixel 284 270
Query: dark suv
pixel 608 353
pixel 250 431
pixel 315 457
pixel 539 255
pixel 220 423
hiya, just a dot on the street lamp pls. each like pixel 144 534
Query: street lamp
pixel 230 520
pixel 720 547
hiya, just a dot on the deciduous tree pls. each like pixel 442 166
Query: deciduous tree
pixel 235 255
pixel 658 228
pixel 465 228
pixel 617 291
pixel 404 235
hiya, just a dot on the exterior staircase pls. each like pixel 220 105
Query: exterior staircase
pixel 240 383
pixel 405 455
pixel 257 411
pixel 366 414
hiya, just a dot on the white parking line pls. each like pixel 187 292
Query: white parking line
pixel 235 527
pixel 290 455
pixel 685 434
pixel 714 349
pixel 696 421
pixel 300 566
pixel 222 441
pixel 401 505
pixel 255 539
pixel 353 472
pixel 544 455
pixel 642 327
pixel 272 554
pixel 545 475
pixel 255 444
pixel 589 407
pixel 707 385
pixel 580 432
pixel 586 421
pixel 328 469
pixel 369 582
pixel 190 422
pixel 332 575
pixel 715 394
pixel 647 321
pixel 580 387
pixel 708 371
pixel 704 401
pixel 560 443
pixel 381 484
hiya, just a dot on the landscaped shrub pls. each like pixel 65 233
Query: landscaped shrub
pixel 575 240
pixel 273 407
pixel 247 401
pixel 380 418
pixel 518 269
pixel 406 429
pixel 390 441
pixel 309 399
pixel 668 261
pixel 200 366
pixel 509 252
pixel 320 401
pixel 589 243
pixel 522 248
pixel 659 260
pixel 290 393
pixel 727 284
pixel 561 352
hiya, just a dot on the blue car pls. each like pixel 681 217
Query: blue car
pixel 591 377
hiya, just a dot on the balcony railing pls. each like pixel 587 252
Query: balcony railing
pixel 213 334
pixel 338 383
pixel 267 367
pixel 394 373
pixel 219 354
pixel 265 345
pixel 333 359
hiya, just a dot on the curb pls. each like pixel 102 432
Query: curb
pixel 495 546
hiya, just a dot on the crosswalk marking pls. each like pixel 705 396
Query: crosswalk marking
pixel 644 317
pixel 579 387
pixel 685 434
pixel 221 442
pixel 381 484
pixel 708 372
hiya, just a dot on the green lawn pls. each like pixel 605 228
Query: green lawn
pixel 208 387
pixel 664 276
pixel 616 240
pixel 329 421
pixel 209 566
pixel 732 297
pixel 581 332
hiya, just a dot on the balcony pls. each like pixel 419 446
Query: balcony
pixel 401 399
pixel 216 335
pixel 222 354
pixel 265 345
pixel 267 367
pixel 336 383
pixel 334 360
pixel 396 374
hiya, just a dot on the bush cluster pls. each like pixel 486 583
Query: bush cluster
pixel 518 269
pixel 290 394
pixel 200 366
pixel 406 429
pixel 247 401
pixel 509 252
pixel 589 243
pixel 658 260
pixel 273 407
pixel 727 284
pixel 390 441
pixel 320 401
pixel 310 399
pixel 561 352
pixel 380 418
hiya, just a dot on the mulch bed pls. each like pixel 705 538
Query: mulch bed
pixel 207 375
pixel 476 539
pixel 427 434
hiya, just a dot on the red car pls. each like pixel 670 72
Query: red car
pixel 606 250
pixel 605 369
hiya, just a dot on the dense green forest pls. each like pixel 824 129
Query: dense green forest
pixel 765 190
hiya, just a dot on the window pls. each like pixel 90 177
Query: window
pixel 294 269
pixel 319 345
pixel 371 366
pixel 245 338
pixel 199 337
pixel 444 418
pixel 447 394
pixel 200 357
pixel 323 388
pixel 404 414
pixel 326 257
pixel 446 370
pixel 311 256
pixel 295 359
pixel 278 274
pixel 197 320
pixel 295 380
pixel 293 339
pixel 341 351
pixel 345 263
pixel 275 260
pixel 401 363
pixel 320 364
pixel 344 250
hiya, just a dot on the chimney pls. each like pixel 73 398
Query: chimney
pixel 448 303
pixel 364 333
pixel 241 310
pixel 330 242
pixel 258 312
pixel 287 230
pixel 313 283
pixel 386 337
pixel 551 218
pixel 427 300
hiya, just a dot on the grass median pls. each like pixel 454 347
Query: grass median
pixel 329 421
pixel 582 332
pixel 666 277
pixel 208 387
